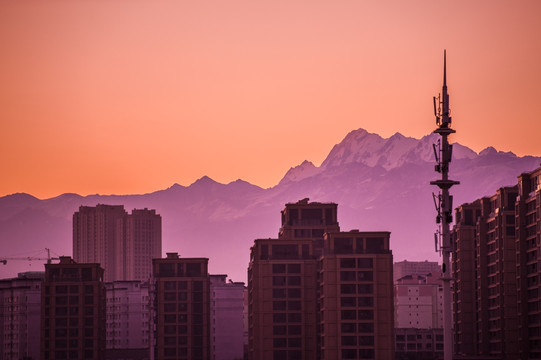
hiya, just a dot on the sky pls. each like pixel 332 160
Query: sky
pixel 126 97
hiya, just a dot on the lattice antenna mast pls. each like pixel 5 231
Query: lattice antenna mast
pixel 444 205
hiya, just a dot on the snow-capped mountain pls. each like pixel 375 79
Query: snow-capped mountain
pixel 378 184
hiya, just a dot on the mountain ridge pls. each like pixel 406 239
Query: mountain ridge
pixel 378 183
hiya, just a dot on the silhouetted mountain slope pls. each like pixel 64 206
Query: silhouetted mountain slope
pixel 379 184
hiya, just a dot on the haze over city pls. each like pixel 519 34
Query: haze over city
pixel 132 97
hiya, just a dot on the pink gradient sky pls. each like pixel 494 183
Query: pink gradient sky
pixel 132 96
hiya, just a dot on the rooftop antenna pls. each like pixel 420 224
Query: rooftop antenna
pixel 443 153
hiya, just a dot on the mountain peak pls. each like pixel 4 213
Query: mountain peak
pixel 488 151
pixel 204 181
pixel 300 172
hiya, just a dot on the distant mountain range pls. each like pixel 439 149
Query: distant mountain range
pixel 378 183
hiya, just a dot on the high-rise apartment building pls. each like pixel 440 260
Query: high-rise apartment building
pixel 282 284
pixel 73 311
pixel 123 244
pixel 528 264
pixel 182 308
pixel 20 312
pixel 295 302
pixel 356 296
pixel 129 324
pixel 226 318
pixel 485 274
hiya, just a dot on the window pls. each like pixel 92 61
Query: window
pixel 279 342
pixel 365 314
pixel 366 341
pixel 293 280
pixel 278 268
pixel 348 301
pixel 285 251
pixel 348 289
pixel 166 270
pixel 170 285
pixel 374 245
pixel 365 288
pixel 365 327
pixel 294 317
pixel 294 268
pixel 278 293
pixel 343 245
pixel 294 330
pixel 193 269
pixel 347 275
pixel 294 293
pixel 293 305
pixel 347 263
pixel 348 315
pixel 365 275
pixel 365 263
pixel 365 301
pixel 279 317
pixel 348 327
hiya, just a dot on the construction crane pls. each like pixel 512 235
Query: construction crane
pixel 4 260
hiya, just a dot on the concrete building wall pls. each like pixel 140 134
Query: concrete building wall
pixel 123 244
pixel 128 318
pixel 484 267
pixel 20 312
pixel 294 286
pixel 73 311
pixel 181 299
pixel 356 297
pixel 227 323
pixel 419 302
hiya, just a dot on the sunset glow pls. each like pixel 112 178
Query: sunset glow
pixel 134 96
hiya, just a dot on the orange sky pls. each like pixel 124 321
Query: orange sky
pixel 123 96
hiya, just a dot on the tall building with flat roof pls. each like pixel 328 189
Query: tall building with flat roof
pixel 356 296
pixel 294 301
pixel 182 308
pixel 226 318
pixel 485 273
pixel 129 324
pixel 528 263
pixel 73 311
pixel 123 244
pixel 20 312
pixel 282 284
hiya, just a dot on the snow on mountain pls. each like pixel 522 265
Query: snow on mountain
pixel 379 184
pixel 304 170
pixel 360 146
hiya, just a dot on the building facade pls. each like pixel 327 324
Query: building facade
pixel 123 244
pixel 419 344
pixel 20 312
pixel 528 255
pixel 419 302
pixel 356 296
pixel 182 308
pixel 485 272
pixel 226 318
pixel 295 306
pixel 73 311
pixel 128 321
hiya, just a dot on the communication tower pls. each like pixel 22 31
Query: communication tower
pixel 444 205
